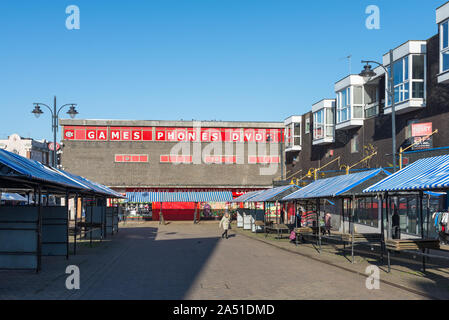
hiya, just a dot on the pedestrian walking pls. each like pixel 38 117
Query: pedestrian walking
pixel 225 224
pixel 161 218
pixel 327 223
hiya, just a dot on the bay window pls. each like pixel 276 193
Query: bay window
pixel 323 121
pixel 292 133
pixel 444 46
pixel 408 79
pixel 350 104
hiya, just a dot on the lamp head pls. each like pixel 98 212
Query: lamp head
pixel 72 112
pixel 37 111
pixel 367 73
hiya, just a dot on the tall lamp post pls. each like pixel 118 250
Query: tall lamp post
pixel 55 119
pixel 367 73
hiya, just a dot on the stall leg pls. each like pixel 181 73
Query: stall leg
pixel 39 233
pixel 76 227
pixel 68 221
pixel 388 257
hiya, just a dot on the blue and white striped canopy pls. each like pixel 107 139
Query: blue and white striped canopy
pixel 332 187
pixel 247 196
pixel 425 174
pixel 267 195
pixel 147 197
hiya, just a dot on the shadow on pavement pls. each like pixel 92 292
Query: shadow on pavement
pixel 135 265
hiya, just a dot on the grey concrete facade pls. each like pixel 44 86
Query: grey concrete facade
pixel 95 159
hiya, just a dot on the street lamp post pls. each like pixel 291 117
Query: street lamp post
pixel 55 118
pixel 368 73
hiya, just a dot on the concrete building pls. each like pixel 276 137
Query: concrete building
pixel 139 156
pixel 29 148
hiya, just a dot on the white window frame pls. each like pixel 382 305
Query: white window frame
pixel 307 124
pixel 319 124
pixel 442 49
pixel 410 80
pixel 324 125
pixel 347 106
pixel 290 136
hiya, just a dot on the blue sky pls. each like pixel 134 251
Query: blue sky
pixel 261 60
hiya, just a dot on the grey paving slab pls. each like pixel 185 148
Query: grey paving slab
pixel 186 261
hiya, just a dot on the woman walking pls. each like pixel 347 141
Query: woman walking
pixel 224 223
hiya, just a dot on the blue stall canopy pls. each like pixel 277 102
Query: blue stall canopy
pixel 247 196
pixel 336 186
pixel 93 186
pixel 13 197
pixel 274 194
pixel 17 167
pixel 18 170
pixel 155 196
pixel 424 174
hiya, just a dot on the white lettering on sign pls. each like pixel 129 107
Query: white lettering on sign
pixel 192 136
pixel 136 135
pixel 215 136
pixel 125 135
pixel 91 135
pixel 171 135
pixel 101 135
pixel 115 135
pixel 181 136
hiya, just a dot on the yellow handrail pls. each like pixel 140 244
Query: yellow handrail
pixel 347 167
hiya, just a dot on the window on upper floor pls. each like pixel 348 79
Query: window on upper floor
pixel 292 135
pixel 307 125
pixel 355 144
pixel 371 100
pixel 444 46
pixel 344 105
pixel 408 73
pixel 323 124
pixel 350 104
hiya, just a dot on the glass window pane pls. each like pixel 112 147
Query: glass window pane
pixel 445 35
pixel 418 89
pixel 398 72
pixel 297 141
pixel 297 129
pixel 406 95
pixel 329 116
pixel 397 91
pixel 358 112
pixel 406 68
pixel 343 98
pixel 418 67
pixel 358 92
pixel 445 61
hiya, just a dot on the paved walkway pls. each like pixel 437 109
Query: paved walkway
pixel 186 261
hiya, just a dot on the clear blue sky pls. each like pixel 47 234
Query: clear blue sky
pixel 260 60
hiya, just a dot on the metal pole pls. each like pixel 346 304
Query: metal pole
pixel 68 221
pixel 318 223
pixel 421 222
pixel 76 222
pixel 352 226
pixel 388 208
pixel 393 111
pixel 55 128
pixel 39 232
pixel 382 228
